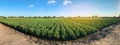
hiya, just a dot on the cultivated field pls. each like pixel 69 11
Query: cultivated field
pixel 59 28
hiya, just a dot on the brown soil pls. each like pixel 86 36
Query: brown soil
pixel 10 36
pixel 107 36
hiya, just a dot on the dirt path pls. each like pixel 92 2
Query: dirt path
pixel 9 36
pixel 113 38
pixel 107 36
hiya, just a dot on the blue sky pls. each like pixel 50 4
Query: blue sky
pixel 59 7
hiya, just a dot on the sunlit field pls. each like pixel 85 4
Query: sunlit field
pixel 59 22
pixel 59 28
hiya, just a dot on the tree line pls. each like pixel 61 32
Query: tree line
pixel 95 16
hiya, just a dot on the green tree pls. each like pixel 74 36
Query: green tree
pixel 54 16
pixel 119 15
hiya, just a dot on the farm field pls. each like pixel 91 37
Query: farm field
pixel 59 22
pixel 59 28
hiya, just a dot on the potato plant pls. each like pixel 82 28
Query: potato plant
pixel 59 28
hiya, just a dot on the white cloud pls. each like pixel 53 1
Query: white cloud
pixel 81 9
pixel 67 2
pixel 31 5
pixel 53 2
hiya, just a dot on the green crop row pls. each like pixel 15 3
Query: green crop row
pixel 59 28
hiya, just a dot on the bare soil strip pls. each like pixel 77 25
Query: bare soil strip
pixel 107 36
pixel 9 36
